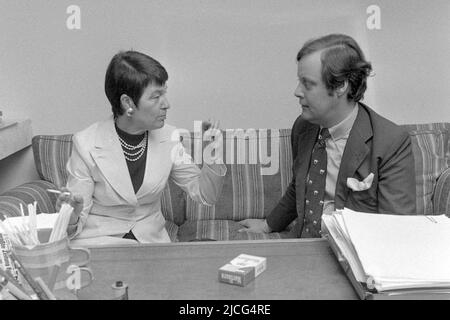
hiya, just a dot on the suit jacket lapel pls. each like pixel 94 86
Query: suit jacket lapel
pixel 306 143
pixel 108 156
pixel 356 150
pixel 155 150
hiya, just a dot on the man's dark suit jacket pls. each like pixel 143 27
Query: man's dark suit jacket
pixel 375 145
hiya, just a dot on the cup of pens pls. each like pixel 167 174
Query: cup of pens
pixel 44 256
pixel 64 269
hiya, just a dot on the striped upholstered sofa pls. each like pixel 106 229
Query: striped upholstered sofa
pixel 259 164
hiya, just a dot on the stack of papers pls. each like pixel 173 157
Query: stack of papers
pixel 392 253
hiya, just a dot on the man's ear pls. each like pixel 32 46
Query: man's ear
pixel 342 89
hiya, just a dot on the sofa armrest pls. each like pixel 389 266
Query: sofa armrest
pixel 25 194
pixel 441 195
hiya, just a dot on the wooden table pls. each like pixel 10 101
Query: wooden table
pixel 296 269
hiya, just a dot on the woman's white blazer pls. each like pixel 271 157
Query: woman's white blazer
pixel 98 171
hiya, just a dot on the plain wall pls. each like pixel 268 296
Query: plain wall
pixel 229 60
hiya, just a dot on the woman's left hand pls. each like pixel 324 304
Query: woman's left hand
pixel 209 125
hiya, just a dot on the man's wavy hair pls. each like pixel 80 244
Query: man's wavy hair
pixel 129 73
pixel 342 60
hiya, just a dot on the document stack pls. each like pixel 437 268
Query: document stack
pixel 392 256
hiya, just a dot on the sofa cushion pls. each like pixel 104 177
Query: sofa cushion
pixel 51 153
pixel 173 203
pixel 25 194
pixel 441 196
pixel 252 185
pixel 172 230
pixel 431 148
pixel 50 157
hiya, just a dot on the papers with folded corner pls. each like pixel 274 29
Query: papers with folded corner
pixel 393 252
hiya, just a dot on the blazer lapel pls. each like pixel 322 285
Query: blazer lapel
pixel 306 141
pixel 108 156
pixel 356 150
pixel 156 162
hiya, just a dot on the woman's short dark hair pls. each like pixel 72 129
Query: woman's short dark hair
pixel 342 60
pixel 129 73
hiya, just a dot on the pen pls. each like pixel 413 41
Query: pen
pixel 53 276
pixel 7 274
pixel 5 294
pixel 58 192
pixel 44 287
pixel 14 290
pixel 36 288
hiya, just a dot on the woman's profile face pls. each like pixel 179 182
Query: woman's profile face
pixel 152 108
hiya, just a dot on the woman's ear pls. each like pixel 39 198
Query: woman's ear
pixel 127 105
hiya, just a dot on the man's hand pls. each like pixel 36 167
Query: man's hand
pixel 75 201
pixel 255 226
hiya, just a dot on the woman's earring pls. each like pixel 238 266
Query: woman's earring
pixel 129 112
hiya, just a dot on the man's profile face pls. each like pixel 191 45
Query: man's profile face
pixel 318 106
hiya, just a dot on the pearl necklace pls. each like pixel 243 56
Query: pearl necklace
pixel 135 152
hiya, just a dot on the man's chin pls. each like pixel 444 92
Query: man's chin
pixel 305 113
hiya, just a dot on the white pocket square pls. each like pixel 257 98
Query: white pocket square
pixel 356 185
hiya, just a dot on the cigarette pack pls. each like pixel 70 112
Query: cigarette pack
pixel 242 269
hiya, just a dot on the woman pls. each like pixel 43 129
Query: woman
pixel 119 167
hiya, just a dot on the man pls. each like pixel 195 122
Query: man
pixel 336 137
